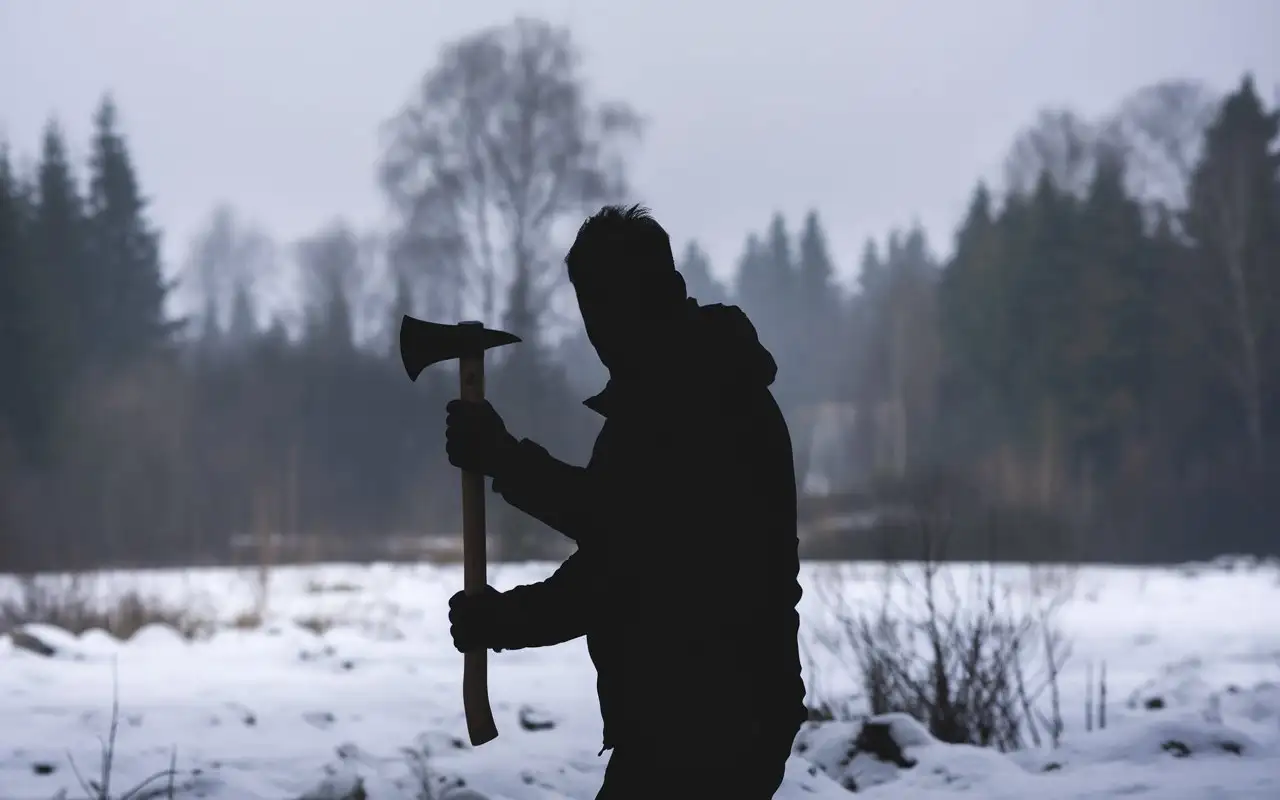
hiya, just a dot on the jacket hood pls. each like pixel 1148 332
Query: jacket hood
pixel 715 348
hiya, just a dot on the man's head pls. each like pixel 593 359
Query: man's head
pixel 625 277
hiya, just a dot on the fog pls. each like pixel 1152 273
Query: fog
pixel 977 238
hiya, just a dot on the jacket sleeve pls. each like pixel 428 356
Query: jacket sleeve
pixel 549 612
pixel 547 489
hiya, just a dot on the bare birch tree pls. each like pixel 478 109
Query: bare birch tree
pixel 1159 132
pixel 498 146
pixel 1059 142
pixel 229 256
pixel 334 270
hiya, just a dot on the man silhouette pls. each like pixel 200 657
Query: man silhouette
pixel 685 577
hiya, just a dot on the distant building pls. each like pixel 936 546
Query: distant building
pixel 824 433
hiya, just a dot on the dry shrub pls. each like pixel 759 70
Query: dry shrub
pixel 74 604
pixel 965 649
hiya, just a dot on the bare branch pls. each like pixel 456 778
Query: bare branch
pixel 1059 143
pixel 498 145
pixel 1159 131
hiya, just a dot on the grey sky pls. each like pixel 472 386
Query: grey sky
pixel 875 113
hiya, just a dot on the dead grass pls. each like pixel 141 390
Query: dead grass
pixel 74 604
pixel 316 624
pixel 99 788
pixel 247 620
pixel 336 587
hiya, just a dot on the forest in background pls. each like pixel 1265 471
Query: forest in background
pixel 1098 346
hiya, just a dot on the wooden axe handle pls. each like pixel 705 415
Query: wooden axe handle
pixel 475 668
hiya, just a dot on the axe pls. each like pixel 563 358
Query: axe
pixel 421 345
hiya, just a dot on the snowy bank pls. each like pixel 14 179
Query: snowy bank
pixel 351 679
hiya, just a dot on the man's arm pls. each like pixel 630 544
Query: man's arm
pixel 548 612
pixel 547 489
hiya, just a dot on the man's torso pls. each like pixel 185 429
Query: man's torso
pixel 727 545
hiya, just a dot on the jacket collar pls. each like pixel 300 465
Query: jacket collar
pixel 600 401
pixel 673 341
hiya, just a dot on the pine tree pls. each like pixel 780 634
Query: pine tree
pixel 401 306
pixel 1110 356
pixel 816 272
pixel 973 325
pixel 330 264
pixel 819 306
pixel 18 306
pixel 59 302
pixel 242 321
pixel 695 266
pixel 762 270
pixel 783 307
pixel 1042 297
pixel 902 381
pixel 1233 219
pixel 861 311
pixel 752 279
pixel 125 280
pixel 211 329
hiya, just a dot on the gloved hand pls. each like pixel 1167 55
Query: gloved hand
pixel 474 622
pixel 476 439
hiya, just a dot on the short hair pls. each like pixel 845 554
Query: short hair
pixel 623 247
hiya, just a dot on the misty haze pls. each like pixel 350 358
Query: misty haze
pixel 1018 264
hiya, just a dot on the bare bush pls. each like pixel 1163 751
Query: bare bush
pixel 76 604
pixel 968 649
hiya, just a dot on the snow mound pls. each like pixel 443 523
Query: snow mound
pixel 156 634
pixel 895 749
pixel 97 642
pixel 1181 689
pixel 878 751
pixel 51 642
pixel 46 640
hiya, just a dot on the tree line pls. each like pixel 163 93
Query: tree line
pixel 1098 346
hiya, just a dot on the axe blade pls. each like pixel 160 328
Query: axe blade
pixel 424 343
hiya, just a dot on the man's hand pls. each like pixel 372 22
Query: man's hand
pixel 473 620
pixel 476 439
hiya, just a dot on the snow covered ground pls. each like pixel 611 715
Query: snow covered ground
pixel 282 712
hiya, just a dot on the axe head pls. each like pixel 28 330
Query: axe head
pixel 425 343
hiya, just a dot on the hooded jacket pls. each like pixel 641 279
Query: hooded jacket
pixel 685 579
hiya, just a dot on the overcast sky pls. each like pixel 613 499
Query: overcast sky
pixel 874 112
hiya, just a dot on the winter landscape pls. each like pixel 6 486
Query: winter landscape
pixel 339 681
pixel 1021 301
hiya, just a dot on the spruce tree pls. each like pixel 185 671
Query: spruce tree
pixel 695 266
pixel 973 327
pixel 1110 356
pixel 752 278
pixel 59 293
pixel 242 321
pixel 818 314
pixel 401 306
pixel 124 277
pixel 19 306
pixel 816 273
pixel 779 314
pixel 1233 220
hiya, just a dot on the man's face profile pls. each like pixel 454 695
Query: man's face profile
pixel 611 315
pixel 598 317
